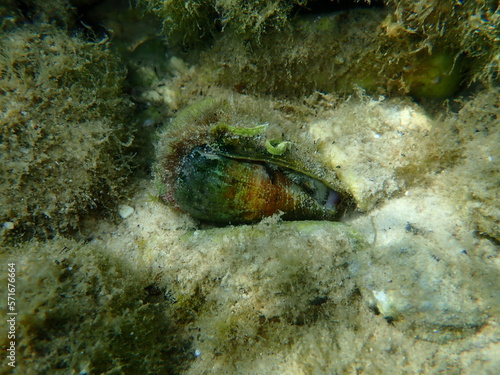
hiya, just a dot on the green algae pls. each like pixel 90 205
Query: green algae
pixel 94 315
pixel 64 130
pixel 391 54
pixel 437 77
pixel 263 281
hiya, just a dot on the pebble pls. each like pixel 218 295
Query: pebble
pixel 8 225
pixel 125 211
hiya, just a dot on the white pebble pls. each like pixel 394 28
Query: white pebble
pixel 8 225
pixel 125 211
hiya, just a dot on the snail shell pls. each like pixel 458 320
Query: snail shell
pixel 224 174
pixel 217 188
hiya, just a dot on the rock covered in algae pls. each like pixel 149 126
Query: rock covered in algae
pixel 474 182
pixel 424 276
pixel 275 287
pixel 334 53
pixel 64 121
pixel 83 310
pixel 276 297
pixel 391 50
pixel 380 148
pixel 469 26
pixel 255 287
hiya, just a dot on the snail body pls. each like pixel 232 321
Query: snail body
pixel 230 175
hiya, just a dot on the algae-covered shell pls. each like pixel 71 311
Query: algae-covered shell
pixel 234 174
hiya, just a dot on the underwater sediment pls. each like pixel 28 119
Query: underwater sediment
pixel 283 187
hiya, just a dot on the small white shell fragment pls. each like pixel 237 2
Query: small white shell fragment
pixel 382 302
pixel 125 211
pixel 8 225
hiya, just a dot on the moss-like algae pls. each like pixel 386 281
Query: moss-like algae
pixel 265 285
pixel 192 22
pixel 478 192
pixel 399 49
pixel 94 316
pixel 64 130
